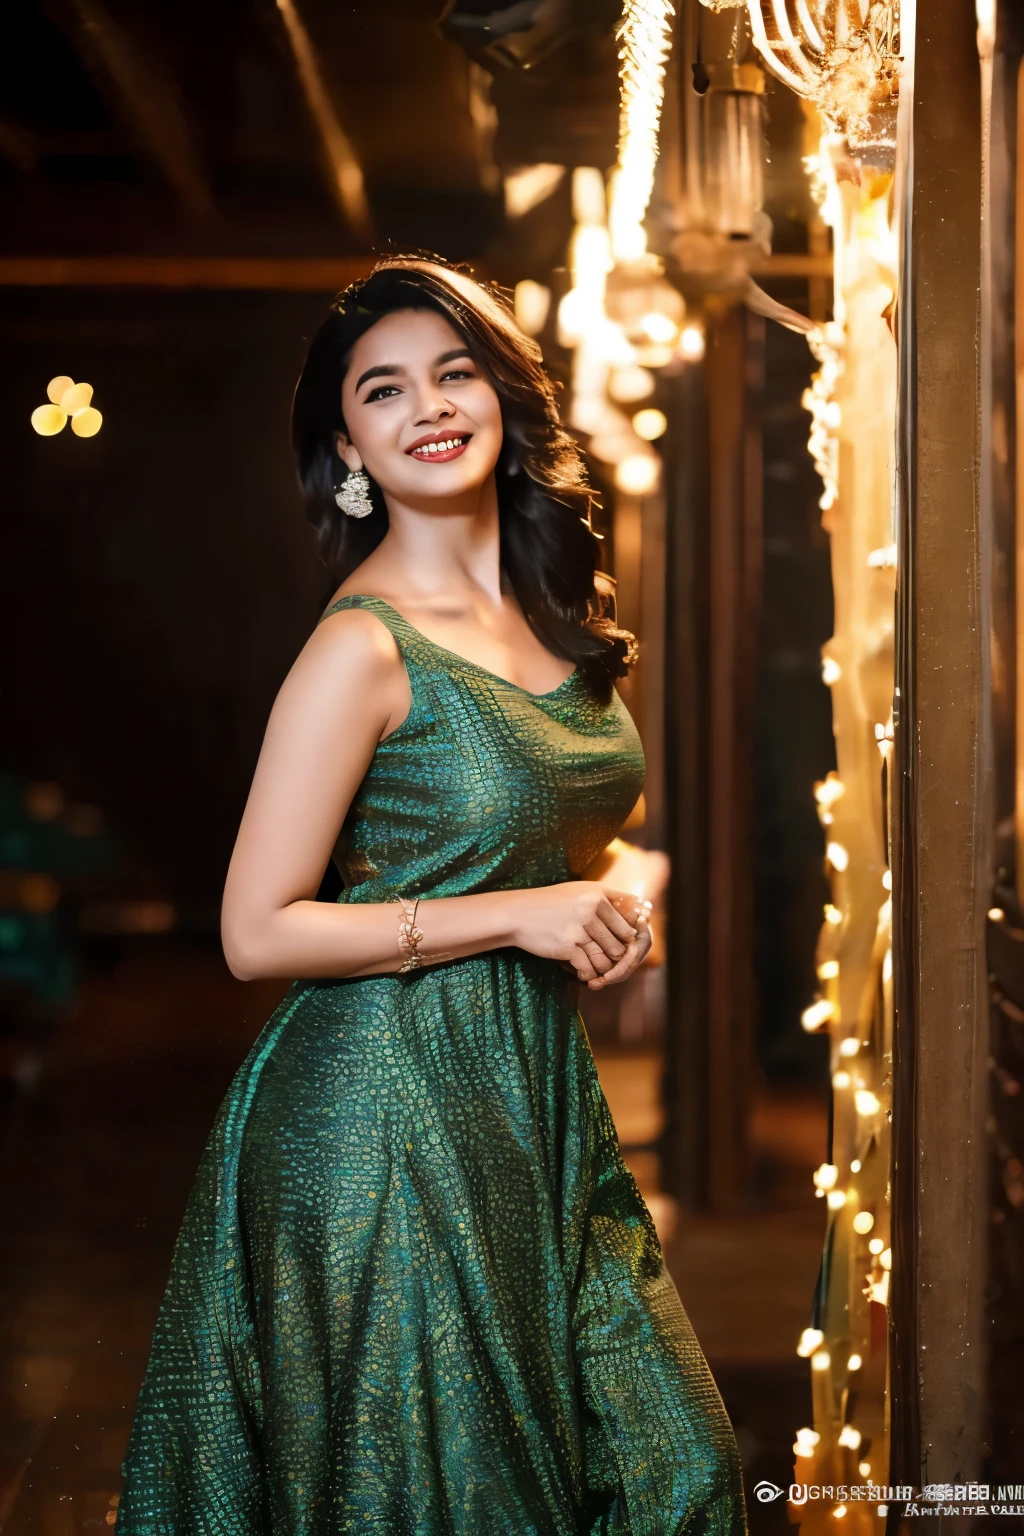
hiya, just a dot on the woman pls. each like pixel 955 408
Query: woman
pixel 416 1289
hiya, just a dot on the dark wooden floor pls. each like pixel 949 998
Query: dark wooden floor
pixel 98 1161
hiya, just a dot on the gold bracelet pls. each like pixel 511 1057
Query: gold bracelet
pixel 409 936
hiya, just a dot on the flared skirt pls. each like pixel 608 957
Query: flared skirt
pixel 416 1289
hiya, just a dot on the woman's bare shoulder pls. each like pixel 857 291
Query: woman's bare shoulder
pixel 353 640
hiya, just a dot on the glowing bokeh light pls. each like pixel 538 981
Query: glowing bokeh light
pixel 637 475
pixel 57 387
pixel 649 424
pixel 87 422
pixel 48 420
pixel 77 398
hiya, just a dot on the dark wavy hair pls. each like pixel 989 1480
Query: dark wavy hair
pixel 549 550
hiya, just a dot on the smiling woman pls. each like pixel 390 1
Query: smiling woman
pixel 548 549
pixel 416 1289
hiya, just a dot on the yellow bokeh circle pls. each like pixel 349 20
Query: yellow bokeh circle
pixel 57 387
pixel 76 398
pixel 87 422
pixel 48 420
pixel 649 424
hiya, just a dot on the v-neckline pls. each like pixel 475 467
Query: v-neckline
pixel 463 661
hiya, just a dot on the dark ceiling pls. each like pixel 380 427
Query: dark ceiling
pixel 130 126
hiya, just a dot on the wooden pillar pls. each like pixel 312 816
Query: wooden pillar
pixel 713 539
pixel 942 786
pixel 1002 499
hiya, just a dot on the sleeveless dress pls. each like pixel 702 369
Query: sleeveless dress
pixel 416 1289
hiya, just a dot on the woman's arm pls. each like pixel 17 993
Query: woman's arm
pixel 348 688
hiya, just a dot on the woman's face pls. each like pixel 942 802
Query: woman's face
pixel 422 417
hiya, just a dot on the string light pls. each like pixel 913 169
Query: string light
pixel 650 424
pixel 809 1341
pixel 630 384
pixel 644 38
pixel 825 343
pixel 659 328
pixel 817 1014
pixel 806 1441
pixel 828 790
pixel 691 343
pixel 620 316
pixel 637 475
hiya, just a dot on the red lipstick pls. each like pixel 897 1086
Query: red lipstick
pixel 439 447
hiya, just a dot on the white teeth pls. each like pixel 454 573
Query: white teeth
pixel 453 442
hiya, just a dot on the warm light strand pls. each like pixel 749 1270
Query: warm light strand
pixel 851 400
pixel 645 38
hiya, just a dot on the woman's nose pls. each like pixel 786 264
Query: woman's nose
pixel 431 404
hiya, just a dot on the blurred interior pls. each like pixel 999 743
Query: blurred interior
pixel 185 188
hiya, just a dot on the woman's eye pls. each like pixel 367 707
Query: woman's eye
pixel 380 393
pixel 456 373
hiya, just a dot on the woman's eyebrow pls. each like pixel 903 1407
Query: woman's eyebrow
pixel 386 370
pixel 381 371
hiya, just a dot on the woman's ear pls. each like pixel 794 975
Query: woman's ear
pixel 347 453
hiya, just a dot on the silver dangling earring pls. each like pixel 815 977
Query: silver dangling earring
pixel 354 495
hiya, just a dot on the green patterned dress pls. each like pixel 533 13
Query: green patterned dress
pixel 416 1290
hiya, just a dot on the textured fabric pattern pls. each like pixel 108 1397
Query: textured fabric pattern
pixel 416 1289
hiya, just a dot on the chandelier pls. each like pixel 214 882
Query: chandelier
pixel 842 55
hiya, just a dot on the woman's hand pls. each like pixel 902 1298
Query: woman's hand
pixel 594 930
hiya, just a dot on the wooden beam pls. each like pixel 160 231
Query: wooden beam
pixel 147 95
pixel 942 811
pixel 345 174
pixel 300 274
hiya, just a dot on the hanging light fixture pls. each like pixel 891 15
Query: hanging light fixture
pixel 840 54
pixel 723 221
pixel 733 149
